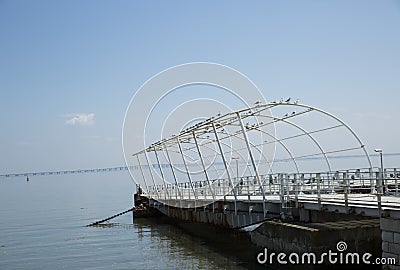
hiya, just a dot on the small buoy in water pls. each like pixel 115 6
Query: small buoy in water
pixel 27 179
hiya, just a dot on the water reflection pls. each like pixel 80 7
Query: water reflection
pixel 203 247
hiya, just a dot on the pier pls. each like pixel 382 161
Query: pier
pixel 282 166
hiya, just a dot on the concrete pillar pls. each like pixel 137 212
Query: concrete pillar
pixel 390 229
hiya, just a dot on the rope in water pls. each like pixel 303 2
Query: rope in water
pixel 106 219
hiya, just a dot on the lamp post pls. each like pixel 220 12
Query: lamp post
pixel 380 151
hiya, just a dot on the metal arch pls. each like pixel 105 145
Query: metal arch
pixel 205 157
pixel 253 145
pixel 187 172
pixel 141 170
pixel 173 174
pixel 284 146
pixel 340 121
pixel 315 141
pixel 151 173
pixel 162 174
pixel 281 143
pixel 204 167
pixel 245 136
pixel 236 135
pixel 182 150
pixel 229 120
pixel 215 151
pixel 225 165
pixel 305 133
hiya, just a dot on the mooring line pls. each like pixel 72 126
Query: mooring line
pixel 106 219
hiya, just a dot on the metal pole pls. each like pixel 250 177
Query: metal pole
pixel 382 172
pixel 174 175
pixel 151 174
pixel 204 167
pixel 237 168
pixel 379 193
pixel 141 170
pixel 226 166
pixel 371 181
pixel 380 182
pixel 396 186
pixel 281 190
pixel 188 174
pixel 162 174
pixel 346 190
pixel 318 176
pixel 252 161
pixel 296 190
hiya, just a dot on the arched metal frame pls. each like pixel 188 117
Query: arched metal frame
pixel 217 125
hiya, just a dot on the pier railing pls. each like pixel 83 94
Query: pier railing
pixel 288 188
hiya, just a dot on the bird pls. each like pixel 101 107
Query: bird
pixel 285 115
pixel 297 101
pixel 257 102
pixel 293 113
pixel 288 100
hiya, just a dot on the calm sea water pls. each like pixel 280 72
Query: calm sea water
pixel 42 226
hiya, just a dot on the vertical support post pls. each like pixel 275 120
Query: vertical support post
pixel 281 190
pixel 379 193
pixel 204 167
pixel 174 175
pixel 271 183
pixel 248 188
pixel 188 174
pixel 225 165
pixel 252 160
pixel 346 192
pixel 330 181
pixel 311 183
pixel 396 186
pixel 371 181
pixel 141 170
pixel 162 174
pixel 237 169
pixel 152 176
pixel 287 181
pixel 296 190
pixel 382 173
pixel 302 183
pixel 318 177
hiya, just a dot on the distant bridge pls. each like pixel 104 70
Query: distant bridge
pixel 136 167
pixel 97 170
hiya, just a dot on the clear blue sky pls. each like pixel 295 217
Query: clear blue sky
pixel 62 58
